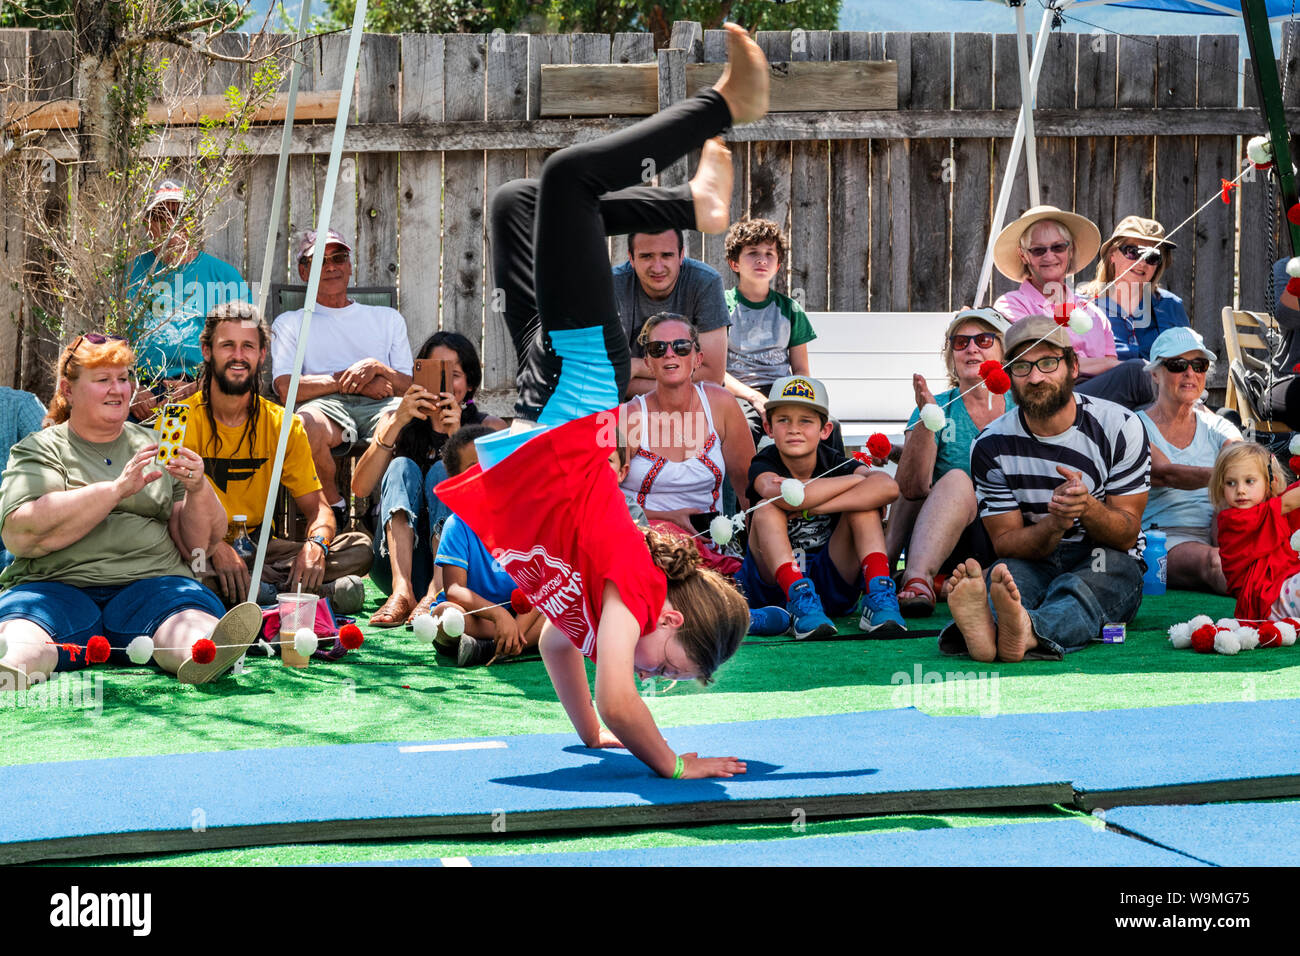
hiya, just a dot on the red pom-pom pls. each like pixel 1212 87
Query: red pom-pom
pixel 999 383
pixel 1293 215
pixel 97 649
pixel 350 636
pixel 1269 635
pixel 519 602
pixel 1294 464
pixel 987 368
pixel 1203 639
pixel 1293 285
pixel 203 651
pixel 879 446
pixel 863 457
pixel 1061 312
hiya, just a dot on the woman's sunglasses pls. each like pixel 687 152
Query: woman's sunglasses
pixel 1179 365
pixel 984 340
pixel 94 338
pixel 1057 248
pixel 1133 253
pixel 658 349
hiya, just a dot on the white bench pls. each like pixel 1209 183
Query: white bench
pixel 866 361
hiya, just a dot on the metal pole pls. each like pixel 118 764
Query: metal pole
pixel 1260 42
pixel 1027 106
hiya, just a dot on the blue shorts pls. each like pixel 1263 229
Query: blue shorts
pixel 120 612
pixel 838 597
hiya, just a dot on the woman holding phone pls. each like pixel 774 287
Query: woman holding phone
pixel 405 460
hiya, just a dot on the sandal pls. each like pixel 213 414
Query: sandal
pixel 426 606
pixel 393 613
pixel 916 598
pixel 240 626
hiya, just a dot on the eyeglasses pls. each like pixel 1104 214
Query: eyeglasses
pixel 1134 253
pixel 334 259
pixel 1179 365
pixel 1057 248
pixel 657 348
pixel 984 340
pixel 1022 367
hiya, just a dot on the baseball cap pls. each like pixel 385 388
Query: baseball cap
pixel 1176 341
pixel 1032 328
pixel 995 320
pixel 307 245
pixel 799 390
pixel 169 190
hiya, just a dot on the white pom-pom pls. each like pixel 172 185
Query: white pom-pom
pixel 1295 542
pixel 932 417
pixel 792 492
pixel 1247 638
pixel 1287 632
pixel 1260 150
pixel 305 642
pixel 453 622
pixel 1225 642
pixel 1229 622
pixel 738 522
pixel 1294 446
pixel 425 627
pixel 140 650
pixel 720 530
pixel 1199 621
pixel 1180 635
pixel 1293 268
pixel 1080 322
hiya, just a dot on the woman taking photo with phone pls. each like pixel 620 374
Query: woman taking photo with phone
pixel 405 460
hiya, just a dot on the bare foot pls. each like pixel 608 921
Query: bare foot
pixel 711 187
pixel 970 611
pixel 1015 630
pixel 744 81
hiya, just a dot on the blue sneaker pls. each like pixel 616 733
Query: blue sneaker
pixel 880 614
pixel 805 608
pixel 768 621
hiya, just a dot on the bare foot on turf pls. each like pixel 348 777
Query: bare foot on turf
pixel 1015 630
pixel 744 81
pixel 711 187
pixel 970 611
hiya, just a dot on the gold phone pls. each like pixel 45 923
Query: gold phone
pixel 171 431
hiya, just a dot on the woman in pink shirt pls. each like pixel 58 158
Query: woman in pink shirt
pixel 1041 250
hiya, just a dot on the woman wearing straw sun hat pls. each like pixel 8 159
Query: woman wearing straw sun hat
pixel 1127 288
pixel 1041 250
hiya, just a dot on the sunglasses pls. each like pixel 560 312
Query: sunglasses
pixel 1179 365
pixel 658 349
pixel 1134 253
pixel 984 340
pixel 335 259
pixel 1058 248
pixel 1022 367
pixel 94 338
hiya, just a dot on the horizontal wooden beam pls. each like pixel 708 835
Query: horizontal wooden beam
pixel 185 111
pixel 495 135
pixel 632 89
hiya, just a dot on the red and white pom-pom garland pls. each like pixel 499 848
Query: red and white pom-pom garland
pixel 1230 636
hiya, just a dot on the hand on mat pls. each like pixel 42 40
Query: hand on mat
pixel 308 567
pixel 377 387
pixel 186 466
pixel 418 402
pixel 697 766
pixel 139 471
pixel 232 573
pixel 921 389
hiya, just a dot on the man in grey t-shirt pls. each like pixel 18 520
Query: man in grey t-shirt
pixel 657 278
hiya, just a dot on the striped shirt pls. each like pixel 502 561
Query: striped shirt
pixel 1015 469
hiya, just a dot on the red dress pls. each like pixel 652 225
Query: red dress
pixel 1255 549
pixel 552 514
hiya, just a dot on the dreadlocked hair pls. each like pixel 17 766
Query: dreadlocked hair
pixel 715 615
pixel 245 314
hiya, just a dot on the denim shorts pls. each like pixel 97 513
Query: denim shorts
pixel 119 612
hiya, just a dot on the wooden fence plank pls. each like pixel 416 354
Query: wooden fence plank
pixel 1175 184
pixel 1056 89
pixel 1094 156
pixel 543 50
pixel 462 289
pixel 13 80
pixel 261 193
pixel 715 51
pixel 849 203
pixel 226 238
pixel 629 48
pixel 1260 212
pixel 971 204
pixel 421 189
pixel 1134 177
pixel 809 193
pixel 880 272
pixel 301 210
pixel 378 72
pixel 769 161
pixel 1006 95
pixel 343 217
pixel 930 190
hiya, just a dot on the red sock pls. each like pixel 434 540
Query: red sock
pixel 786 575
pixel 875 565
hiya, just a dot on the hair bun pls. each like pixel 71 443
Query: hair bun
pixel 676 556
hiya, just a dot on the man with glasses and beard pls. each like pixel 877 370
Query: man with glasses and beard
pixel 1061 481
pixel 236 431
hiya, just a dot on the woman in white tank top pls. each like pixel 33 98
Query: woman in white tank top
pixel 684 439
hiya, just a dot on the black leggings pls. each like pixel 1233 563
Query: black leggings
pixel 551 260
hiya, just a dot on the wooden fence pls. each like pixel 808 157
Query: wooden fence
pixel 886 210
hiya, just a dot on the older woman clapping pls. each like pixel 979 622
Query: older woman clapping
pixel 1185 440
pixel 105 537
pixel 934 518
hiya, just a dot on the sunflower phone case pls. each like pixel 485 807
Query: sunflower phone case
pixel 171 431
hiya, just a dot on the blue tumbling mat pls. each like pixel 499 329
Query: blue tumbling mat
pixel 1224 834
pixel 1020 844
pixel 876 762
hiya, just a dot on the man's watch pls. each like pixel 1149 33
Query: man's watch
pixel 320 539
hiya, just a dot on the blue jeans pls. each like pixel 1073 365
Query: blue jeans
pixel 405 494
pixel 1069 596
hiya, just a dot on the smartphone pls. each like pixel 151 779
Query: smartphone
pixel 701 521
pixel 431 374
pixel 171 431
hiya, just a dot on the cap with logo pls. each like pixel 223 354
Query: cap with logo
pixel 169 190
pixel 799 390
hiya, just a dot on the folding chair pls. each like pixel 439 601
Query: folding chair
pixel 1245 340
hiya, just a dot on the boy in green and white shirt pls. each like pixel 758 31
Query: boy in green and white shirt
pixel 770 332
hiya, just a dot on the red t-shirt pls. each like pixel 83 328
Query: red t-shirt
pixel 1255 549
pixel 552 514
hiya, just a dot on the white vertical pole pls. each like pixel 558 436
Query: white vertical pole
pixel 1027 90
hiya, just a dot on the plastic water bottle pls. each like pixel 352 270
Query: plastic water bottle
pixel 239 539
pixel 1157 559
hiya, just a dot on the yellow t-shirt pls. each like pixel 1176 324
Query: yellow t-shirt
pixel 241 475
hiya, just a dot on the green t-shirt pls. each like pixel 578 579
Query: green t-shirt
pixel 131 543
pixel 954 440
pixel 762 335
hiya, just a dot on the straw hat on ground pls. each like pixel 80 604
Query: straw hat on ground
pixel 1006 250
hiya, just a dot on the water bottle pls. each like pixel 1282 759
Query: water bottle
pixel 239 539
pixel 1157 559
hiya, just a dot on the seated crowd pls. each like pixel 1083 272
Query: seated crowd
pixel 1027 508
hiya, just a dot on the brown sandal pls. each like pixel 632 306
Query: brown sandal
pixel 426 606
pixel 393 613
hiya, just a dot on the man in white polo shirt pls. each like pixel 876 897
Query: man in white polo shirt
pixel 357 364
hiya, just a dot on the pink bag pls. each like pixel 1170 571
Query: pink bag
pixel 324 626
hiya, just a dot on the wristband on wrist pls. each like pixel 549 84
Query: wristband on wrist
pixel 380 442
pixel 680 769
pixel 320 540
